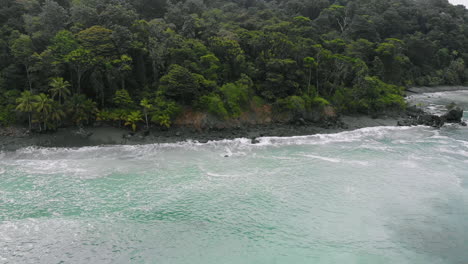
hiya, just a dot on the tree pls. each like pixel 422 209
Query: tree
pixel 180 84
pixel 63 43
pixel 23 50
pixel 81 109
pixel 147 107
pixel 98 40
pixel 56 114
pixel 123 67
pixel 122 99
pixel 309 62
pixel 59 88
pixel 43 106
pixel 81 61
pixel 26 105
pixel 53 17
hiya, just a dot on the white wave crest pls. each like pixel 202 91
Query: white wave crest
pixel 228 146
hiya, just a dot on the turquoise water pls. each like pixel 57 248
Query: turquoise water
pixel 374 195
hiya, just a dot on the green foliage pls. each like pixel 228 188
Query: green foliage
pixel 63 43
pixel 319 102
pixel 98 40
pixel 59 88
pixel 213 104
pixel 164 111
pixel 180 84
pixel 7 115
pixel 122 99
pixel 294 104
pixel 26 105
pixel 237 95
pixel 372 96
pixel 147 108
pixel 22 48
pixel 81 110
pixel 132 119
pixel 224 56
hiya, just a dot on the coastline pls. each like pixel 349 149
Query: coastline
pixel 106 135
pixel 15 138
pixel 434 89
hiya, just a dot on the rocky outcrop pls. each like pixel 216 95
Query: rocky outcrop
pixel 454 115
pixel 416 117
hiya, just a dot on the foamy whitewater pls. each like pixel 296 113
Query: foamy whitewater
pixel 374 195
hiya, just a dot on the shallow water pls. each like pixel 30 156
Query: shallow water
pixel 374 195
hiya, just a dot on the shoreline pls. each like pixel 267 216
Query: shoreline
pixel 435 89
pixel 106 135
pixel 14 138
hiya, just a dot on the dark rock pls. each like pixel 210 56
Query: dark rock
pixel 83 133
pixel 301 122
pixel 454 115
pixel 463 124
pixel 255 141
pixel 424 119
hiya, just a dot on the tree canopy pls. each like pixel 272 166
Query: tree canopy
pixel 103 58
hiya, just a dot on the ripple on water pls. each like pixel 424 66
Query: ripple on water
pixel 376 195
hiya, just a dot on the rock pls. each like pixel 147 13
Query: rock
pixel 424 119
pixel 454 115
pixel 83 133
pixel 301 122
pixel 177 134
pixel 255 141
pixel 463 124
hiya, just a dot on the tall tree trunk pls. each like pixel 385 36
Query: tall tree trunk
pixel 317 79
pixel 29 77
pixel 45 122
pixel 146 118
pixel 29 119
pixel 78 73
pixel 155 71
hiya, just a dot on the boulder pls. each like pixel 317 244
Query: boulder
pixel 454 115
pixel 421 118
pixel 416 116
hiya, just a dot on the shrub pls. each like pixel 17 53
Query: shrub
pixel 320 102
pixel 164 111
pixel 122 99
pixel 7 115
pixel 292 104
pixel 213 104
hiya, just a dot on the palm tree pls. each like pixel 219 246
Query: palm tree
pixel 59 87
pixel 81 109
pixel 26 105
pixel 56 114
pixel 43 107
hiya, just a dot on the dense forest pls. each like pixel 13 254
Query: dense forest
pixel 145 62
